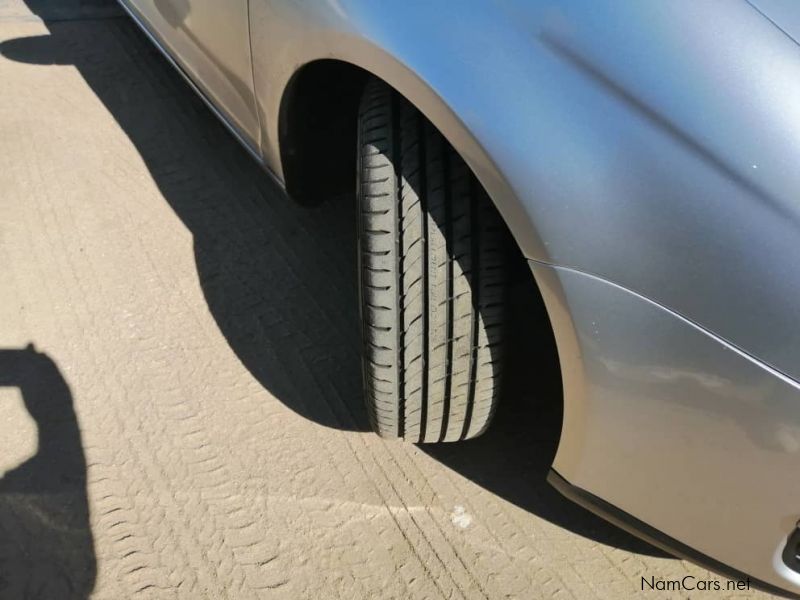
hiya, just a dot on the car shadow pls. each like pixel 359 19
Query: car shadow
pixel 280 278
pixel 46 543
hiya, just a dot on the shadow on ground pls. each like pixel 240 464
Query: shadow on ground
pixel 46 544
pixel 280 279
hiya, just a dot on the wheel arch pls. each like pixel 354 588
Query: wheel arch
pixel 307 117
pixel 314 132
pixel 316 129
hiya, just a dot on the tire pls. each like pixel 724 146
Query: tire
pixel 432 278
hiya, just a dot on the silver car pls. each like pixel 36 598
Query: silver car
pixel 643 156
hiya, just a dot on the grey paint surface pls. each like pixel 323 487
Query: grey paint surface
pixel 653 145
pixel 212 42
pixel 675 426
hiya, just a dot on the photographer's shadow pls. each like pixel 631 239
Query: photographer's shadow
pixel 46 544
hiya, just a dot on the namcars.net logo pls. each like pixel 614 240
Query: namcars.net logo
pixel 691 583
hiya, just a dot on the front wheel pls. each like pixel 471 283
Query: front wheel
pixel 432 252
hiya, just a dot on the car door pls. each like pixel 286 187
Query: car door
pixel 210 41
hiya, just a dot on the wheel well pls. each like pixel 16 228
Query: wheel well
pixel 317 136
pixel 317 129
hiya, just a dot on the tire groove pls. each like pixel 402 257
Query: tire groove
pixel 398 246
pixel 475 267
pixel 423 206
pixel 449 295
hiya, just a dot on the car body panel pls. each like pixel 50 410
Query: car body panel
pixel 674 426
pixel 211 42
pixel 644 156
pixel 590 139
pixel 784 14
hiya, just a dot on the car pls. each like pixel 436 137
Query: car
pixel 642 157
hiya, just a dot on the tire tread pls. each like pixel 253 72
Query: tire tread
pixel 432 273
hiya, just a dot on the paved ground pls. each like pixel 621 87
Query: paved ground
pixel 188 422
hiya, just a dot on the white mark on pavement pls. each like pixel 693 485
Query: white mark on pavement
pixel 460 517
